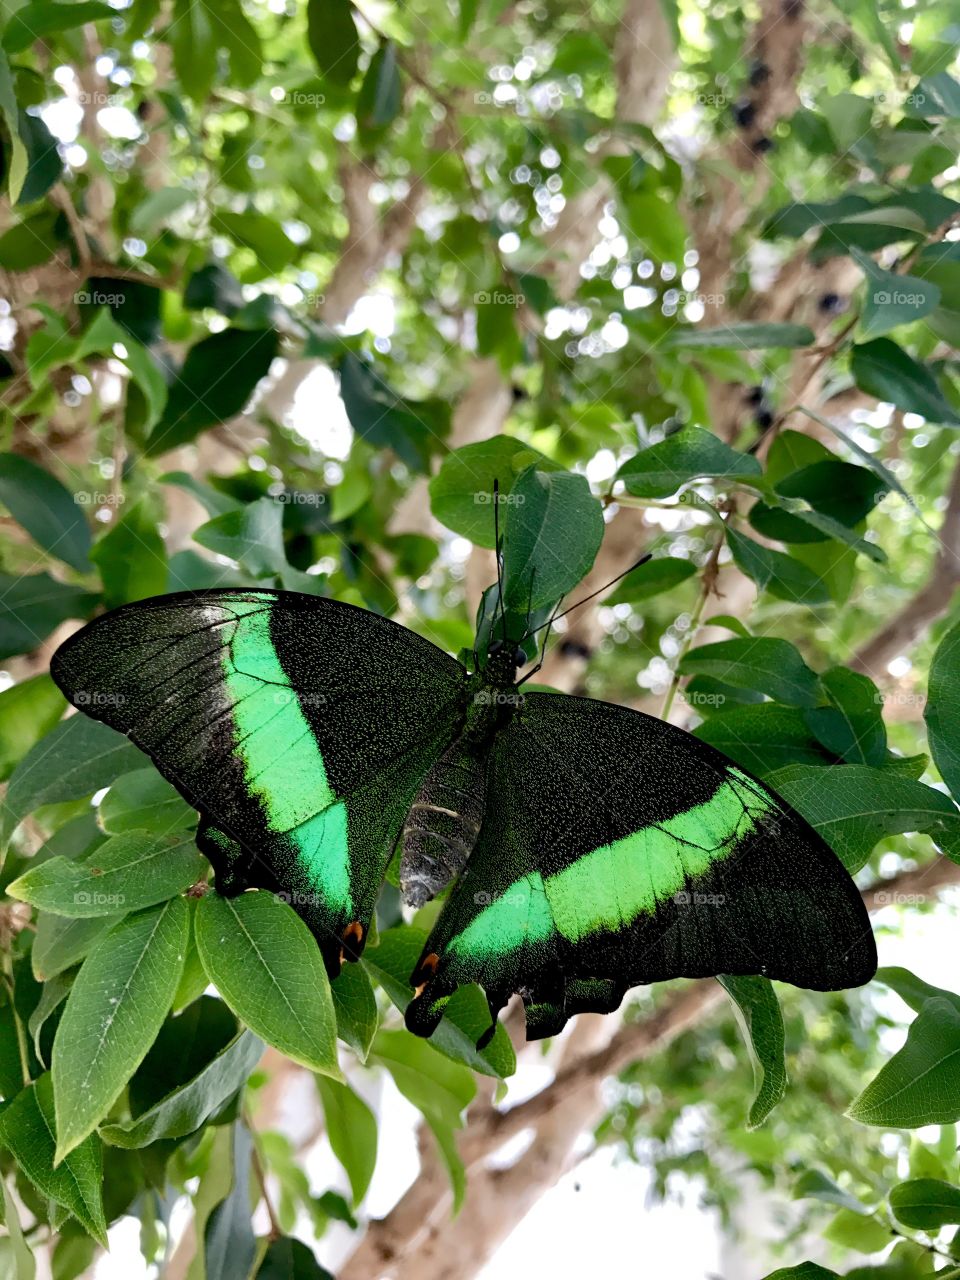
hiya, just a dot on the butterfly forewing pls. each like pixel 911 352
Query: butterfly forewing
pixel 299 728
pixel 618 850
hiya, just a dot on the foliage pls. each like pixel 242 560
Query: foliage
pixel 200 225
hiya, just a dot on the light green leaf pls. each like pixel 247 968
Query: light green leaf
pixel 913 990
pixel 47 510
pixel 770 666
pixel 745 337
pixel 552 533
pixel 144 801
pixel 650 579
pixel 352 1132
pixel 128 872
pixel 28 710
pixel 925 1204
pixel 266 965
pixel 252 535
pixel 115 1009
pixel 24 1264
pixel 461 493
pixel 942 710
pixel 921 1084
pixel 132 558
pixel 892 300
pixel 356 1008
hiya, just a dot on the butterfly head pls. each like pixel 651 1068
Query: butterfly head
pixel 504 660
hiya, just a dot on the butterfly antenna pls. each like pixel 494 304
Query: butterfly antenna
pixel 543 651
pixel 599 591
pixel 496 539
pixel 483 610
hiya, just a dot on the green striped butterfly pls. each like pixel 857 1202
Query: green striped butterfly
pixel 588 848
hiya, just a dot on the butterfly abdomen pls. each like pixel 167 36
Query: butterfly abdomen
pixel 443 823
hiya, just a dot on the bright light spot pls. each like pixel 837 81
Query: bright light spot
pixel 899 667
pixel 318 414
pixel 6 681
pixel 637 295
pixel 615 334
pixel 509 242
pixel 75 155
pixel 373 313
pixel 602 466
pixel 460 549
pixel 913 420
pixel 63 119
pixel 118 122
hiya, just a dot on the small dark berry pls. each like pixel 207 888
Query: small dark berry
pixel 575 649
pixel 762 145
pixel 764 417
pixel 755 395
pixel 744 113
pixel 830 303
pixel 759 74
pixel 792 8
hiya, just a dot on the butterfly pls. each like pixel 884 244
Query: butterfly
pixel 587 848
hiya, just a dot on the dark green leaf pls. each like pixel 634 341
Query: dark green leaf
pixel 764 738
pixel 650 579
pixel 33 605
pixel 758 1012
pixel 49 512
pixel 252 535
pixel 925 1204
pixel 290 1259
pixel 689 454
pixel 552 533
pixel 75 759
pixel 44 166
pixel 27 1129
pixel 41 18
pixel 890 299
pixel 356 1008
pixel 332 36
pixel 262 235
pixel 413 430
pixel 114 1011
pixel 229 1245
pixel 59 943
pixel 913 990
pixel 381 94
pixel 783 576
pixel 746 337
pixel 852 725
pixel 773 667
pixel 942 710
pixel 882 369
pixel 132 558
pixel 804 1271
pixel 144 801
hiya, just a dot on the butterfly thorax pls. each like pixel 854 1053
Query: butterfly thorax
pixel 447 811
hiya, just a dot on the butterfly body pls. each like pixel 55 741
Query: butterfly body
pixel 586 848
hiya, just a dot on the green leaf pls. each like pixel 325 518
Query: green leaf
pixel 123 874
pixel 214 384
pixel 33 605
pixel 262 235
pixel 333 39
pixel 553 530
pixel 892 300
pixel 27 1129
pixel 24 1265
pixel 650 579
pixel 193 41
pixel 49 512
pixel 251 535
pixel 42 18
pixel 758 1012
pixel 857 1231
pixel 412 429
pixel 853 806
pixel 913 990
pixel 265 963
pixel 921 1084
pixel 290 1259
pixel 59 943
pixel 783 576
pixel 466 1015
pixel 746 337
pixel 438 1088
pixel 804 1271
pixel 17 163
pixel 381 94
pixel 185 1109
pixel 356 1009
pixel 461 493
pixel 214 1188
pixel 882 369
pixel 229 1245
pixel 763 738
pixel 942 710
pixel 352 1132
pixel 144 801
pixel 52 995
pixel 132 558
pixel 852 725
pixel 115 1009
pixel 28 710
pixel 770 666
pixel 75 759
pixel 815 1184
pixel 925 1204
pixel 689 454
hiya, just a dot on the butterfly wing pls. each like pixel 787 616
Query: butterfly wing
pixel 299 727
pixel 617 850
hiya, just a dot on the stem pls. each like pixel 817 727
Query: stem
pixel 708 583
pixel 22 1047
pixel 260 1173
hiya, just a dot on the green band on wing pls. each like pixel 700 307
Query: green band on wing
pixel 282 764
pixel 520 915
pixel 610 887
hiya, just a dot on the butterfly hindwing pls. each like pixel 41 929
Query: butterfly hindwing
pixel 299 727
pixel 618 850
